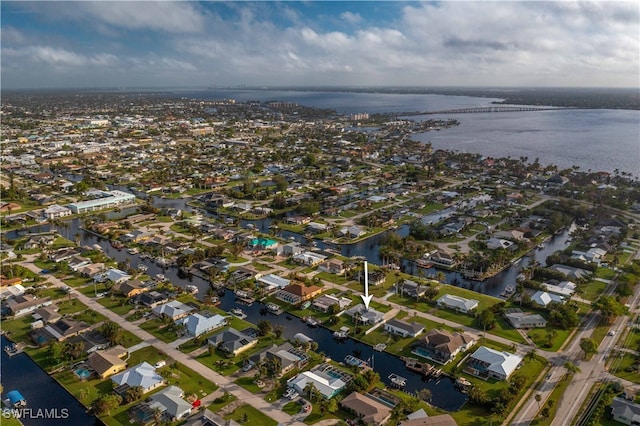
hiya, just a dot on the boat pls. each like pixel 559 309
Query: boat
pixel 352 360
pixel 509 289
pixel 161 277
pixel 311 321
pixel 274 309
pixel 142 268
pixel 397 380
pixel 341 334
pixel 462 384
pixel 117 245
pixel 238 312
pixel 412 364
pixel 15 399
pixel 541 246
pixel 245 297
pixel 192 289
pixel 215 301
pixel 133 250
pixel 422 263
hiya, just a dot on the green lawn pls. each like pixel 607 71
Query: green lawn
pixel 221 402
pixel 591 290
pixel 70 306
pixel 219 363
pixel 556 395
pixel 118 304
pixel 92 290
pixel 77 281
pixel 248 383
pixel 163 331
pixel 540 337
pixel 149 354
pixel 252 416
pixel 84 390
pixel 188 380
pixel 626 367
pixel 291 408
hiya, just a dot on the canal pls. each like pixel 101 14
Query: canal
pixel 48 402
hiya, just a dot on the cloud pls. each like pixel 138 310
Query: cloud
pixel 351 18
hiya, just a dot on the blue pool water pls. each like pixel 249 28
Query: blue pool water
pixel 83 373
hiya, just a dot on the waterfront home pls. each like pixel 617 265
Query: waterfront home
pixel 565 289
pixel 56 211
pixel 273 282
pixel 291 249
pixel 91 269
pixel 488 363
pixel 494 243
pixel 403 328
pixel 203 322
pixel 66 328
pixel 625 411
pixel 173 310
pixel 143 375
pixel 443 258
pixel 442 346
pixel 309 258
pixel 116 276
pixel 572 273
pixel 363 315
pixel 457 303
pixel 286 355
pixel 108 362
pixel 370 411
pixel 102 200
pixel 327 385
pixel 519 319
pixel 151 299
pixel 325 303
pixel 298 293
pixel 410 288
pixel 23 304
pixel 332 266
pixel 39 241
pixel 64 254
pixel 130 288
pixel 231 341
pixel 513 235
pixel 12 291
pixel 353 231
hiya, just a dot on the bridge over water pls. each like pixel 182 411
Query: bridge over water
pixel 496 108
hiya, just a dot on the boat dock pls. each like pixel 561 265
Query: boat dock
pixel 13 349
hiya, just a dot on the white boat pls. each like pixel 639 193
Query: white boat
pixel 192 289
pixel 341 334
pixel 161 277
pixel 238 312
pixel 274 309
pixel 142 268
pixel 133 250
pixel 397 380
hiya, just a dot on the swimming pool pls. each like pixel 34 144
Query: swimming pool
pixel 83 373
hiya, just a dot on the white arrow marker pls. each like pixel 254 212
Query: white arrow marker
pixel 366 298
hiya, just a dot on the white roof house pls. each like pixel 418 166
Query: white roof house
pixel 486 362
pixel 169 401
pixel 328 386
pixel 116 275
pixel 525 320
pixel 272 281
pixel 173 309
pixel 200 323
pixel 143 375
pixel 564 289
pixel 457 303
pixel 366 316
pixel 544 298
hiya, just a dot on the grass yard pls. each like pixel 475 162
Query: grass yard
pixel 221 402
pixel 251 415
pixel 556 395
pixel 188 380
pixel 160 329
pixel 542 336
pixel 219 363
pixel 149 354
pixel 84 390
pixel 91 290
pixel 77 281
pixel 591 290
pixel 117 304
pixel 626 367
pixel 248 383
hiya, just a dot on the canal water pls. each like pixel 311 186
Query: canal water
pixel 48 401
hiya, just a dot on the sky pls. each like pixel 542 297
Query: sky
pixel 128 44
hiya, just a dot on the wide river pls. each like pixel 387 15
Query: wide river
pixel 592 139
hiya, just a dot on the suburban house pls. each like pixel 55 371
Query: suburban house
pixel 116 276
pixel 327 385
pixel 143 375
pixel 173 310
pixel 108 362
pixel 325 302
pixel 513 235
pixel 298 293
pixel 232 341
pixel 309 258
pixel 272 281
pixel 369 410
pixel 151 299
pixel 364 316
pixel 47 314
pixel 203 322
pixel 625 411
pixel 288 357
pixel 571 272
pixel 442 346
pixel 22 305
pixel 66 327
pixel 410 288
pixel 519 319
pixel 443 258
pixel 488 363
pixel 544 298
pixel 353 231
pixel 209 418
pixel 494 243
pixel 457 303
pixel 332 266
pixel 403 328
pixel 130 288
pixel 171 403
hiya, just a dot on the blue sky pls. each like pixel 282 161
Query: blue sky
pixel 356 43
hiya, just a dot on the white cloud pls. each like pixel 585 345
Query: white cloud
pixel 351 18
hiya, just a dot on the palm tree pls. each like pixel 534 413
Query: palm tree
pixel 311 389
pixel 538 398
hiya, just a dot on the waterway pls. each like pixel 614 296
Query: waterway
pixel 42 392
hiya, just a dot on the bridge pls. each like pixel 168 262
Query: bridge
pixel 476 110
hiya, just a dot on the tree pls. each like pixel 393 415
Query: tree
pixel 424 394
pixel 538 398
pixel 278 330
pixel 264 327
pixel 609 307
pixel 106 403
pixel 113 332
pixel 486 319
pixel 134 393
pixel 589 346
pixel 311 390
pixel 56 350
